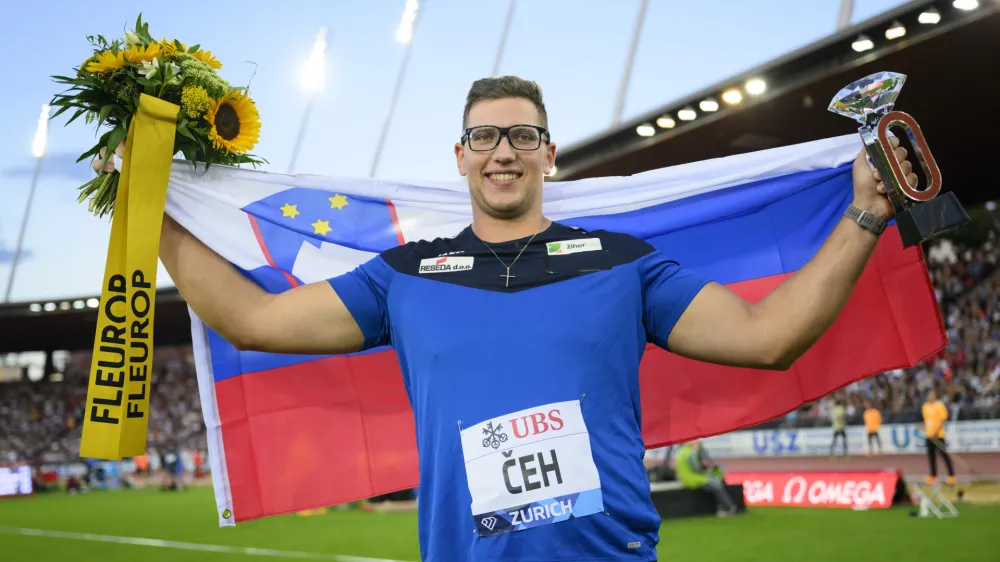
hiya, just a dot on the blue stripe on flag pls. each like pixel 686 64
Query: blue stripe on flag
pixel 756 230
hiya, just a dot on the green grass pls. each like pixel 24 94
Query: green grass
pixel 772 534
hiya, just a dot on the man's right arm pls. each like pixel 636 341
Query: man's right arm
pixel 309 319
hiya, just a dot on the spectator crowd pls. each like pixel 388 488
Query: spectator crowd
pixel 41 421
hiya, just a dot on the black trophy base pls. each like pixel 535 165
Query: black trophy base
pixel 924 221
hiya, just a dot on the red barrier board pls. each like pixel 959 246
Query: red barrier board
pixel 873 489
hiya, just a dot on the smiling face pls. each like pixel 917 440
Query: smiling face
pixel 505 182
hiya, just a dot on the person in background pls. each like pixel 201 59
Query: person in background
pixel 873 421
pixel 838 418
pixel 695 471
pixel 935 415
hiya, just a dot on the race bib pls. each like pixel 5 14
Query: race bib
pixel 531 468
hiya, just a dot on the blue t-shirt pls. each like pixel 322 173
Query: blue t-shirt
pixel 525 389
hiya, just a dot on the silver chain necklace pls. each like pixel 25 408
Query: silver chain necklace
pixel 507 276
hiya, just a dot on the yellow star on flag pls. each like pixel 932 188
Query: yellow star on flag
pixel 321 227
pixel 338 201
pixel 290 210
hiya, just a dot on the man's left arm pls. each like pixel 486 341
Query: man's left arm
pixel 720 327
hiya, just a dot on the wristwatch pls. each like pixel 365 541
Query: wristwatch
pixel 866 220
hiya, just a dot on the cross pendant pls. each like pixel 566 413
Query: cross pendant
pixel 508 276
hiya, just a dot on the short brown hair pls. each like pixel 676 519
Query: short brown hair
pixel 505 87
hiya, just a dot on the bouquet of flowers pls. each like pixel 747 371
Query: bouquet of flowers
pixel 217 123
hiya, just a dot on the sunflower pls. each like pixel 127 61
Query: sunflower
pixel 169 49
pixel 106 61
pixel 138 54
pixel 234 124
pixel 208 58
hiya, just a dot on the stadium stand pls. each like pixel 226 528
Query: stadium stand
pixel 966 373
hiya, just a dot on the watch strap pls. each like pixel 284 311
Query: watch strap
pixel 866 220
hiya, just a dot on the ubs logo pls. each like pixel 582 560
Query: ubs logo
pixel 494 436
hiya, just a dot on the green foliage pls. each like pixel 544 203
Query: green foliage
pixel 108 98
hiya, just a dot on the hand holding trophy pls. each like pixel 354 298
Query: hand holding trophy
pixel 920 214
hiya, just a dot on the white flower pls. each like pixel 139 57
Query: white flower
pixel 132 39
pixel 150 68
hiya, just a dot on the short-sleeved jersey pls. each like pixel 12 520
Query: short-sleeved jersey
pixel 873 420
pixel 525 389
pixel 935 415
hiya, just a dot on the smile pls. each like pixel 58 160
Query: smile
pixel 503 177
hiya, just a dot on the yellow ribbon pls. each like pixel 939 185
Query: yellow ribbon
pixel 116 420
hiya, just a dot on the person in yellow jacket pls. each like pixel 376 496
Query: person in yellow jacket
pixel 873 422
pixel 935 415
pixel 695 471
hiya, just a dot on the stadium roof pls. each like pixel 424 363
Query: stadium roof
pixel 950 89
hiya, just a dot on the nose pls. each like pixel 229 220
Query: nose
pixel 504 152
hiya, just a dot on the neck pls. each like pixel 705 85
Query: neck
pixel 493 230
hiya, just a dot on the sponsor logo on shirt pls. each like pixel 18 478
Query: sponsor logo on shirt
pixel 573 246
pixel 529 468
pixel 445 264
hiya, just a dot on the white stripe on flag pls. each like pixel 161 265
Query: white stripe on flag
pixel 213 422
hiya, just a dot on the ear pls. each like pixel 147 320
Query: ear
pixel 550 157
pixel 460 158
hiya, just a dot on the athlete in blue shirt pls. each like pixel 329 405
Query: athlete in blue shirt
pixel 520 341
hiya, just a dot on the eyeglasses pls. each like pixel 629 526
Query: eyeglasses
pixel 521 137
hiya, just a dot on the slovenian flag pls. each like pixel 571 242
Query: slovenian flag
pixel 293 432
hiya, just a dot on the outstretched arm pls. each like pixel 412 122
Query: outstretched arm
pixel 720 327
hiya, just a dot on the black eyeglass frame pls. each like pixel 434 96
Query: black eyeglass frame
pixel 543 136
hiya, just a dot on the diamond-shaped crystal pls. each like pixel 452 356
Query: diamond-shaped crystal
pixel 875 93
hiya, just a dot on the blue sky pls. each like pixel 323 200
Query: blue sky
pixel 575 49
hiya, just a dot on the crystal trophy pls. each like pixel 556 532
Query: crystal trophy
pixel 920 214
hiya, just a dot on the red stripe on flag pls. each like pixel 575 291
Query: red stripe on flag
pixel 395 222
pixel 354 429
pixel 267 253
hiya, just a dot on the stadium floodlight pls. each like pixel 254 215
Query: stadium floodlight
pixel 666 122
pixel 313 76
pixel 756 87
pixel 863 43
pixel 709 105
pixel 64 305
pixel 49 306
pixel 929 16
pixel 404 33
pixel 966 4
pixel 732 96
pixel 35 307
pixel 92 302
pixel 895 31
pixel 687 114
pixel 41 133
pixel 77 305
pixel 645 130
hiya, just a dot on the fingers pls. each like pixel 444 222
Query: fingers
pixel 900 153
pixel 110 165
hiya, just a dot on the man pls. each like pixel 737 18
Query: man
pixel 935 415
pixel 696 472
pixel 873 422
pixel 838 419
pixel 523 330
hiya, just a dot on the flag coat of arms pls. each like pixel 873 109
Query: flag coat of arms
pixel 293 432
